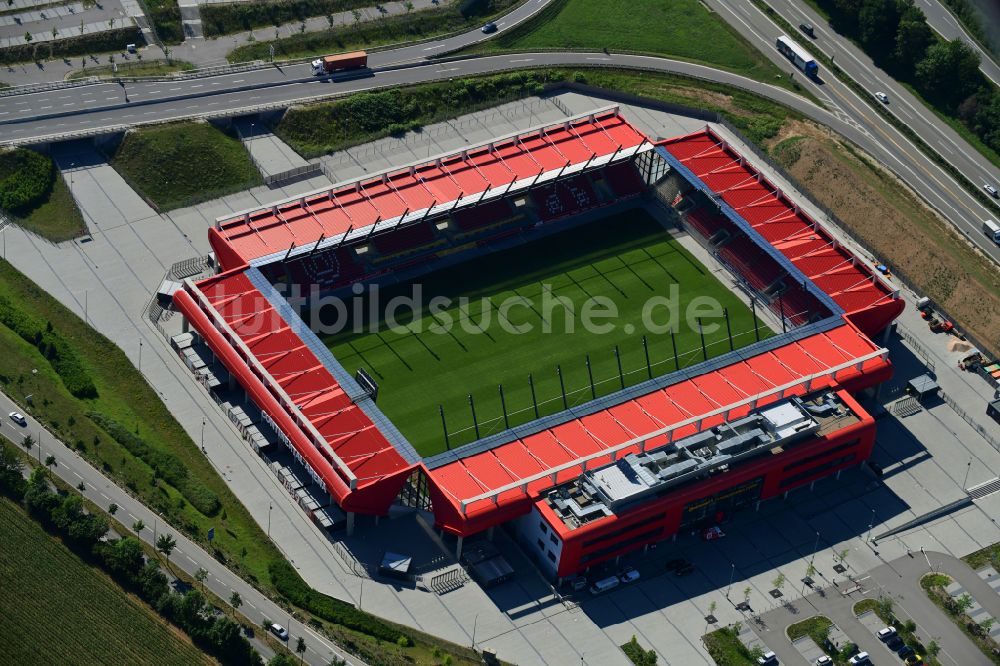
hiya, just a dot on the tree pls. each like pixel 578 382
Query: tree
pixel 746 594
pixel 933 649
pixel 756 652
pixel 28 442
pixel 330 20
pixel 112 508
pixel 842 555
pixel 138 526
pixel 913 38
pixel 885 607
pixel 300 647
pixel 50 461
pixel 877 23
pixel 235 600
pixel 200 575
pixel 166 544
pixel 356 13
pixel 711 608
pixel 779 581
pixel 963 603
pixel 27 37
pixel 408 6
pixel 986 625
pixel 949 73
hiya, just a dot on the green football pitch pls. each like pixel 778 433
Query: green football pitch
pixel 520 313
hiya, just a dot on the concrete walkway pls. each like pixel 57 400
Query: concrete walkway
pixel 269 154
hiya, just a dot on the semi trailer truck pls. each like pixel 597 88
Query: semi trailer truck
pixel 340 62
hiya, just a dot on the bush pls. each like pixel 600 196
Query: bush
pixel 25 179
pixel 95 42
pixel 165 465
pixel 638 655
pixel 222 19
pixel 290 585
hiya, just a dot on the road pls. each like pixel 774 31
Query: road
pixel 883 140
pixel 188 556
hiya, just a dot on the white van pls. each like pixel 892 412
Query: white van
pixel 603 585
pixel 992 230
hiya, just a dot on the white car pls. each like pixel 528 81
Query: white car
pixel 885 633
pixel 825 660
pixel 279 631
pixel 860 658
pixel 767 659
pixel 18 418
pixel 992 191
pixel 882 97
pixel 628 575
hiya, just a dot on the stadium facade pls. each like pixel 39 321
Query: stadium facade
pixel 681 451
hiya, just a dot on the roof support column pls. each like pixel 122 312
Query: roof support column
pixel 350 523
pixel 458 548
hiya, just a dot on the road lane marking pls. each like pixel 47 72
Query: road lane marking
pixel 522 60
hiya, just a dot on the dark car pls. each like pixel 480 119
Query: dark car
pixel 895 643
pixel 688 568
pixel 905 652
pixel 489 27
pixel 675 563
pixel 808 29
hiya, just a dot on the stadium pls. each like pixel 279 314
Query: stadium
pixel 587 446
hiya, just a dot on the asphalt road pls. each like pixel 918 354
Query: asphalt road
pixel 882 139
pixel 188 556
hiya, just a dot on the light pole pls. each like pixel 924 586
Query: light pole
pixel 203 435
pixel 815 547
pixel 732 572
pixel 269 507
pixel 968 468
pixel 871 524
pixel 361 597
pixel 140 357
pixel 475 625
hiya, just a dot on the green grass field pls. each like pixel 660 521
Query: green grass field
pixel 622 261
pixel 682 29
pixel 56 609
pixel 160 163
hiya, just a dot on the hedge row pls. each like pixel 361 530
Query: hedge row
pixel 218 19
pixel 60 355
pixel 321 128
pixel 25 179
pixel 290 585
pixel 166 465
pixel 97 42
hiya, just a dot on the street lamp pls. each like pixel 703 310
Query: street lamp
pixel 475 624
pixel 732 572
pixel 968 468
pixel 871 524
pixel 202 435
pixel 140 357
pixel 269 507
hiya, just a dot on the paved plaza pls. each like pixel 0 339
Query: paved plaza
pixel 928 457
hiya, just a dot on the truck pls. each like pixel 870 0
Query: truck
pixel 341 62
pixel 992 230
pixel 798 55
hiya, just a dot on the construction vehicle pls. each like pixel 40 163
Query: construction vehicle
pixel 341 62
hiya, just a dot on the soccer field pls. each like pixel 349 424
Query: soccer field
pixel 502 321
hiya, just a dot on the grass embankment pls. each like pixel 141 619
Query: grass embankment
pixel 400 28
pixel 726 649
pixel 325 127
pixel 57 609
pixel 225 19
pixel 35 196
pixel 984 556
pixel 184 163
pixel 637 654
pixel 133 68
pixel 682 29
pixel 910 238
pixel 934 585
pixel 524 311
pixel 818 629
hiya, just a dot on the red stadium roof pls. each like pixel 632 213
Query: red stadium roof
pixel 516 462
pixel 456 178
pixel 830 266
pixel 293 387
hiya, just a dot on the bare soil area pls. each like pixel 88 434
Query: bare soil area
pixel 889 219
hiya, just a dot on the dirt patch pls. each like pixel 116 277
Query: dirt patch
pixel 896 227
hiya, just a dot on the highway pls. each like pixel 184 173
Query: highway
pixel 188 556
pixel 889 145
